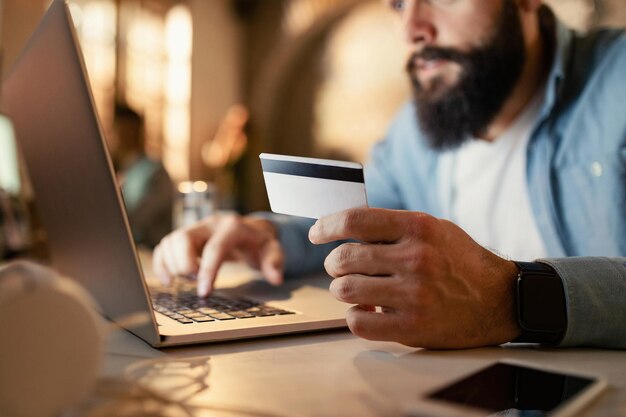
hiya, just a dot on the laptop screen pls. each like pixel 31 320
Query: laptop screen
pixel 47 97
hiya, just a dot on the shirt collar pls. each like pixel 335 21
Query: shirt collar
pixel 563 38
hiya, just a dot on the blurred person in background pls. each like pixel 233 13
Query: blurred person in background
pixel 146 186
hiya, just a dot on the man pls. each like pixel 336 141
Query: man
pixel 517 135
pixel 146 186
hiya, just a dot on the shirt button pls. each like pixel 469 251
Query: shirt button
pixel 596 169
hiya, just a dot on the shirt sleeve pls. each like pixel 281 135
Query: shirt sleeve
pixel 301 256
pixel 382 190
pixel 595 294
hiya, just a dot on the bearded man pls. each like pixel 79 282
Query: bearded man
pixel 513 147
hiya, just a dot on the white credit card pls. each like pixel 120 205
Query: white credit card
pixel 311 187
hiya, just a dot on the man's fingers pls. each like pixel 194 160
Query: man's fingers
pixel 364 224
pixel 165 264
pixel 373 326
pixel 214 253
pixel 272 262
pixel 366 259
pixel 215 240
pixel 176 257
pixel 158 266
pixel 360 289
pixel 229 235
pixel 175 254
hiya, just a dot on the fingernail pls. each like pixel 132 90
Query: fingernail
pixel 276 277
pixel 313 233
pixel 204 288
pixel 165 279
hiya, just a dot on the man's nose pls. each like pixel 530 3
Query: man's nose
pixel 418 22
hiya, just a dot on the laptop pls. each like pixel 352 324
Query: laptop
pixel 47 97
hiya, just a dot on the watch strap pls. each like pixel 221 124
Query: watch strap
pixel 530 335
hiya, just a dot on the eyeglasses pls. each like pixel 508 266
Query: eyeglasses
pixel 400 5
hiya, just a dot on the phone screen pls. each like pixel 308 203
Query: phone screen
pixel 512 390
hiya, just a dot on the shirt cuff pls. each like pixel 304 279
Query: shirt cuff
pixel 595 294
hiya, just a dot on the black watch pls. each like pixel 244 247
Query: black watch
pixel 540 304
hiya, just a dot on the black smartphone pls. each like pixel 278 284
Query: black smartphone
pixel 512 390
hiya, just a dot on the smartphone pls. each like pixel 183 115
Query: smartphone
pixel 512 390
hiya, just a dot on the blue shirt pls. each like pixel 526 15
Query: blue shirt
pixel 576 173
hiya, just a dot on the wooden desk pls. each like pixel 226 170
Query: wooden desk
pixel 337 374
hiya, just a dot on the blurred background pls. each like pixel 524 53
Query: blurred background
pixel 189 92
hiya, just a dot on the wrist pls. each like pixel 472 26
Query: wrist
pixel 264 225
pixel 511 328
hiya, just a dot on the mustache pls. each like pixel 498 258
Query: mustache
pixel 431 53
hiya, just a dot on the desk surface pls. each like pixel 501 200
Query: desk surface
pixel 336 374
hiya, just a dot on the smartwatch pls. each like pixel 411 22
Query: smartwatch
pixel 540 300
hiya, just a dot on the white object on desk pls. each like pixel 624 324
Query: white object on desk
pixel 51 341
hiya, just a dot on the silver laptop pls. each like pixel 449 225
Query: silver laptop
pixel 47 97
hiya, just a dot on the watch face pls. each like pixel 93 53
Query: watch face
pixel 541 303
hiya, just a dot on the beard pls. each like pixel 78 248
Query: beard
pixel 450 115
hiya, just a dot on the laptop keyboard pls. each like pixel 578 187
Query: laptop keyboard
pixel 187 307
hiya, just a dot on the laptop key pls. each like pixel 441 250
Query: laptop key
pixel 185 320
pixel 269 311
pixel 241 314
pixel 205 310
pixel 203 319
pixel 194 315
pixel 222 316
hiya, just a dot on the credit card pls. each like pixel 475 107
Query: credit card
pixel 311 187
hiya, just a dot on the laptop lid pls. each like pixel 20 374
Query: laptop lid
pixel 48 99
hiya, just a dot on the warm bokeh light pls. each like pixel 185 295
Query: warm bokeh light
pixel 364 83
pixel 200 186
pixel 98 18
pixel 144 61
pixel 300 15
pixel 176 142
pixel 158 81
pixel 185 187
pixel 178 83
pixel 176 126
pixel 178 34
pixel 95 23
pixel 177 92
pixel 9 171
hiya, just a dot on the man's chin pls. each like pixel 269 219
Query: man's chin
pixel 441 110
pixel 433 89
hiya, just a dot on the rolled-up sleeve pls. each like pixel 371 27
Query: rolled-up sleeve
pixel 595 292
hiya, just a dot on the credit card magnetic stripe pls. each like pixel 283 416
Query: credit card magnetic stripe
pixel 305 169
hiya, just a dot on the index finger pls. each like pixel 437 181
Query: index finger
pixel 228 236
pixel 371 225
